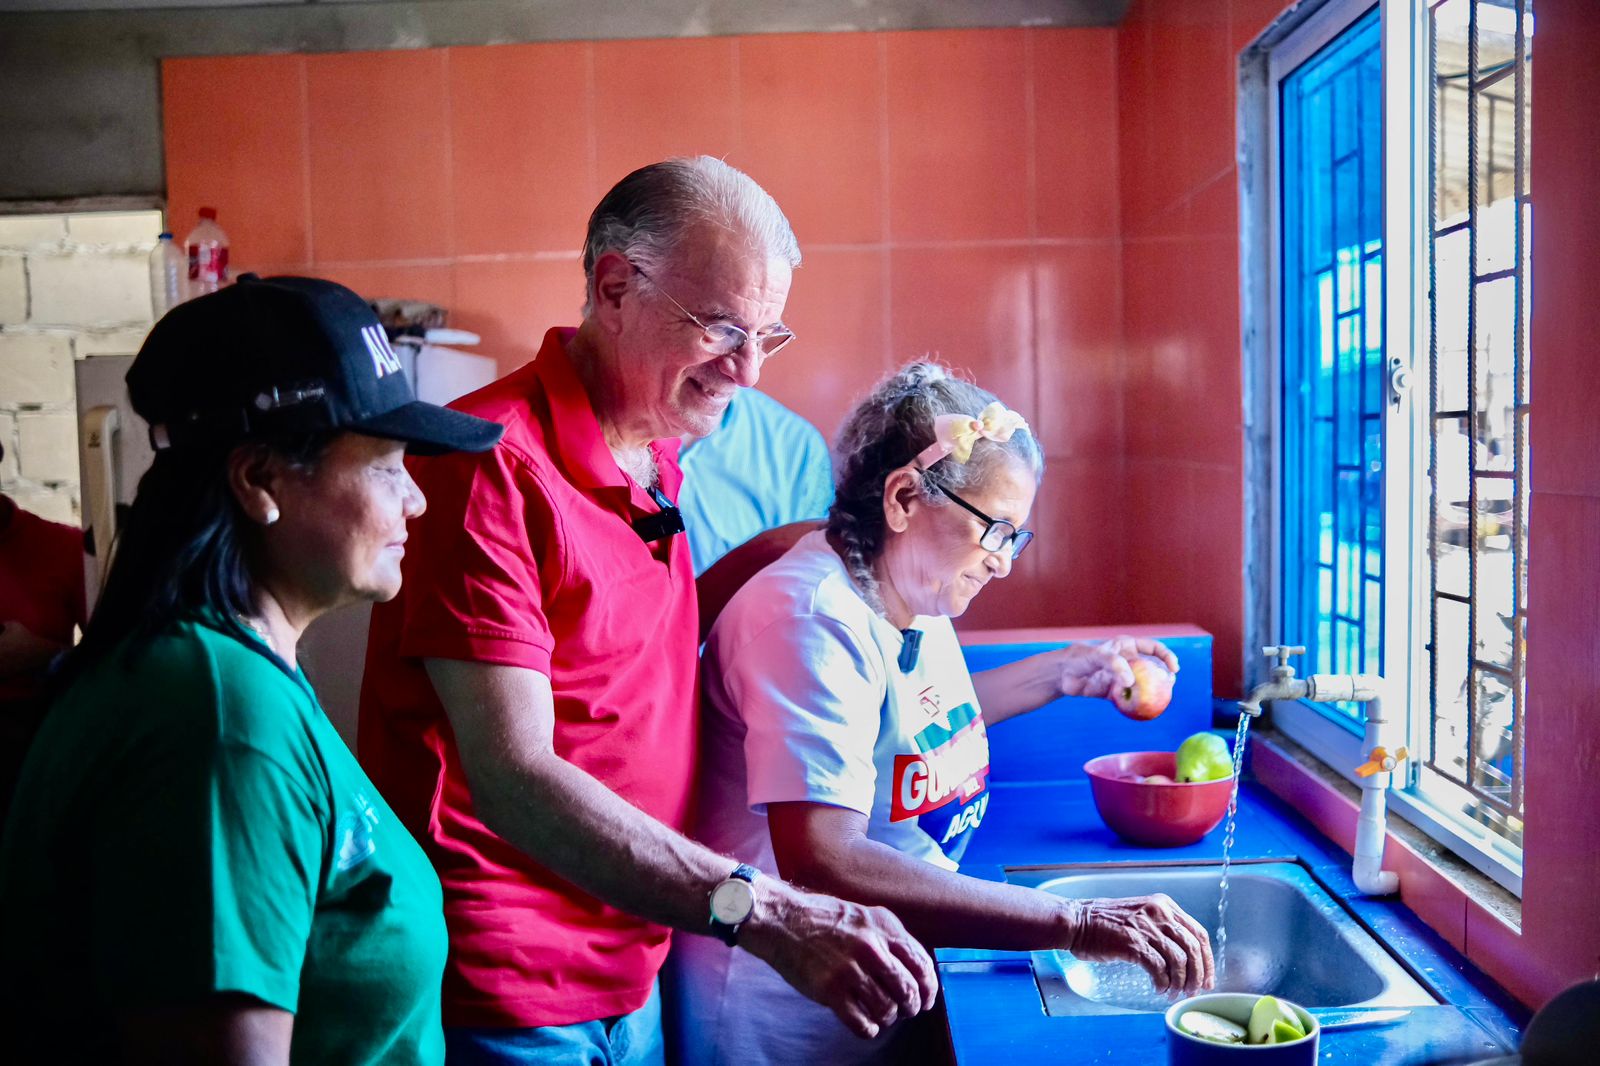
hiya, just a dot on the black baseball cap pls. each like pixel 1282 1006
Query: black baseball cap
pixel 285 355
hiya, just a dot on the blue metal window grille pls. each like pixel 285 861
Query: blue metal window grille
pixel 1333 373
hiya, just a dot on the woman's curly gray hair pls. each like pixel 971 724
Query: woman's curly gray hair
pixel 885 432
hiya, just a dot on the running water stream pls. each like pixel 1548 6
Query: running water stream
pixel 1126 984
pixel 1227 848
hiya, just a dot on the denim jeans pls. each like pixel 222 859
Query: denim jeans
pixel 626 1040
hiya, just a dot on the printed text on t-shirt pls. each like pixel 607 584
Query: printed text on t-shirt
pixel 954 764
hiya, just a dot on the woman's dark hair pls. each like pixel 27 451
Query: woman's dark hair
pixel 180 551
pixel 885 432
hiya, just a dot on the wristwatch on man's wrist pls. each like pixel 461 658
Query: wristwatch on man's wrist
pixel 733 901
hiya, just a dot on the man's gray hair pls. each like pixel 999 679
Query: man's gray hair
pixel 647 213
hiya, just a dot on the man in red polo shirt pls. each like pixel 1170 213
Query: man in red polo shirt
pixel 530 700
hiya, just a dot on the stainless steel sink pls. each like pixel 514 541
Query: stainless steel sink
pixel 1286 936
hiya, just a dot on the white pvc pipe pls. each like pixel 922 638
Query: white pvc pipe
pixel 1367 869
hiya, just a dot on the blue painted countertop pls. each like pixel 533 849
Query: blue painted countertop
pixel 993 1005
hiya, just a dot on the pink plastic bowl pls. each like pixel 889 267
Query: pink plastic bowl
pixel 1158 815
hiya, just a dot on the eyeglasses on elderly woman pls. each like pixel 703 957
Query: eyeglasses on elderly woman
pixel 998 534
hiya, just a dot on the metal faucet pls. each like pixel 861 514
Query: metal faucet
pixel 1379 760
pixel 1283 686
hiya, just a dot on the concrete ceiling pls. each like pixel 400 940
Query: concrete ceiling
pixel 150 5
pixel 1049 12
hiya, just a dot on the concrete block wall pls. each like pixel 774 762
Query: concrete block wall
pixel 72 286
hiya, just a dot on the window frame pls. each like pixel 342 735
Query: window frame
pixel 1318 32
pixel 1332 737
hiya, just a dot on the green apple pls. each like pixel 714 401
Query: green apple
pixel 1204 757
pixel 1284 1033
pixel 1210 1027
pixel 1264 1018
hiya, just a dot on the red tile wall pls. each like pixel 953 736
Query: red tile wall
pixel 1561 921
pixel 954 192
pixel 1182 400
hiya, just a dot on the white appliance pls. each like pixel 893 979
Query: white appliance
pixel 114 451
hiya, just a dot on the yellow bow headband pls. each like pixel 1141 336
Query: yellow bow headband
pixel 954 435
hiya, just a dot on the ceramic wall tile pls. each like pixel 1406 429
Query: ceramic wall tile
pixel 521 158
pixel 219 152
pixel 1078 297
pixel 958 148
pixel 1564 426
pixel 1081 544
pixel 1561 845
pixel 1248 18
pixel 511 304
pixel 378 134
pixel 970 307
pixel 1075 118
pixel 812 131
pixel 1498 948
pixel 657 99
pixel 839 310
pixel 434 284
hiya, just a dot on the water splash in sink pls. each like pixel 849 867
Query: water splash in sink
pixel 1287 936
pixel 1227 848
pixel 1127 985
pixel 1124 983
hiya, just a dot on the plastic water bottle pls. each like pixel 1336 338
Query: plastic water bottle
pixel 208 255
pixel 169 270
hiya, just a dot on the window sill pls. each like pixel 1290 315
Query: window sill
pixel 1474 914
pixel 1337 748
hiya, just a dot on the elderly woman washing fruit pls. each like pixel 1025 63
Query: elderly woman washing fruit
pixel 845 743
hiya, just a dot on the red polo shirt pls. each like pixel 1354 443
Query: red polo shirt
pixel 527 557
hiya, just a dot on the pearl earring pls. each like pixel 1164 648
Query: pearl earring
pixel 272 515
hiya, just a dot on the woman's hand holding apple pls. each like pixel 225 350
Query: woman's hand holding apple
pixel 1149 693
pixel 1134 673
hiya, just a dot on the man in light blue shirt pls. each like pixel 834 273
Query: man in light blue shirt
pixel 765 466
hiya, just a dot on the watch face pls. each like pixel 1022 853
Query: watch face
pixel 732 901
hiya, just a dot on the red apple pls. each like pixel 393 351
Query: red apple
pixel 1150 692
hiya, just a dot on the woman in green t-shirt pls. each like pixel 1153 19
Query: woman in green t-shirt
pixel 195 868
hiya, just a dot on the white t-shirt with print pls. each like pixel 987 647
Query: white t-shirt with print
pixel 805 700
